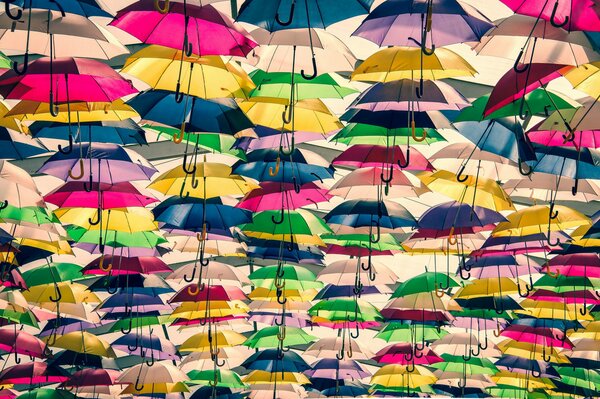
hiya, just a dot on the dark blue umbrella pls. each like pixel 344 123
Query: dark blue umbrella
pixel 207 392
pixel 342 291
pixel 86 8
pixel 458 215
pixel 270 249
pixel 5 238
pixel 274 15
pixel 189 214
pixel 396 119
pixel 520 363
pixel 117 132
pixel 221 115
pixel 300 167
pixel 14 145
pixel 269 360
pixel 582 163
pixel 133 283
pixel 365 213
pixel 352 390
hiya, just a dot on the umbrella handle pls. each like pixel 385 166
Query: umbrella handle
pixel 101 265
pixel 483 347
pixel 552 274
pixel 279 322
pixel 460 271
pixel 575 187
pixel 188 48
pixel 497 331
pixel 570 136
pixel 459 176
pixel 128 330
pixel 315 72
pixel 439 292
pixel 523 295
pixel 8 11
pixel 389 178
pixel 81 171
pixel 58 294
pixel 553 17
pixel 406 161
pixel 98 218
pixel 290 149
pixel 410 367
pixel 536 374
pixel 553 213
pixel 375 239
pixel 466 358
pixel 65 152
pixel 452 240
pixel 280 220
pixel 286 115
pixel 419 91
pixel 355 335
pixel 185 277
pixel 192 291
pixel 178 137
pixel 188 170
pixel 23 69
pixel 549 239
pixel 416 138
pixel 281 301
pixel 3 204
pixel 159 9
pixel 522 171
pixel 17 359
pixel 290 18
pixel 516 67
pixel 275 172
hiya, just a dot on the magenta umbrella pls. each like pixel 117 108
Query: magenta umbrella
pixel 364 155
pixel 92 377
pixel 556 138
pixel 514 85
pixel 539 336
pixel 198 30
pixel 32 373
pixel 571 15
pixel 335 369
pixel 120 195
pixel 575 265
pixel 21 342
pixel 274 195
pixel 117 265
pixel 65 80
pixel 584 297
pixel 404 354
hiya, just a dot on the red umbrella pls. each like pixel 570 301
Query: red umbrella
pixel 513 85
pixel 571 15
pixel 21 342
pixel 584 297
pixel 65 80
pixel 6 393
pixel 32 373
pixel 92 377
pixel 405 354
pixel 190 293
pixel 117 265
pixel 575 265
pixel 364 155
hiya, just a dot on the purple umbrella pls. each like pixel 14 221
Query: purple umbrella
pixel 146 345
pixel 458 215
pixel 127 252
pixel 515 245
pixel 334 369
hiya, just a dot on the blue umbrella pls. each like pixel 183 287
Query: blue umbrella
pixel 397 119
pixel 370 213
pixel 351 389
pixel 5 238
pixel 458 215
pixel 514 362
pixel 220 115
pixel 342 291
pixel 14 145
pixel 299 167
pixel 567 161
pixel 208 392
pixel 271 249
pixel 117 132
pixel 86 8
pixel 189 214
pixel 270 360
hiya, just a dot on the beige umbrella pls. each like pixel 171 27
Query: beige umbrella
pixel 276 51
pixel 329 347
pixel 284 391
pixel 189 244
pixel 160 372
pixel 461 344
pixel 233 356
pixel 343 272
pixel 365 183
pixel 216 272
pixel 544 186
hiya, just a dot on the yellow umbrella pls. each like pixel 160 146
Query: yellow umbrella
pixel 586 78
pixel 521 380
pixel 154 388
pixel 79 112
pixel 531 351
pixel 536 219
pixel 266 377
pixel 395 63
pixel 129 220
pixel 310 115
pixel 8 121
pixel 459 244
pixel 213 180
pixel 270 294
pixel 205 77
pixel 60 247
pixel 196 310
pixel 552 310
pixel 484 287
pixel 84 342
pixel 474 190
pixel 302 239
pixel 578 237
pixel 188 243
pixel 591 331
pixel 60 292
pixel 221 339
pixel 396 375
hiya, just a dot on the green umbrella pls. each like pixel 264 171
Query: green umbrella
pixel 562 284
pixel 278 84
pixel 54 272
pixel 510 392
pixel 225 378
pixel 425 282
pixel 296 277
pixel 342 309
pixel 142 239
pixel 398 332
pixel 47 393
pixel 579 377
pixel 211 141
pixel 473 366
pixel 138 321
pixel 482 314
pixel 5 62
pixel 30 214
pixel 300 222
pixel 537 102
pixel 387 242
pixel 360 133
pixel 19 317
pixel 267 337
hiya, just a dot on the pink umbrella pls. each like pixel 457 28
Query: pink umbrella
pixel 32 373
pixel 348 324
pixel 575 265
pixel 556 138
pixel 68 80
pixel 567 14
pixel 366 183
pixel 274 140
pixel 198 30
pixel 539 336
pixel 117 265
pixel 212 293
pixel 405 354
pixel 6 393
pixel 513 85
pixel 334 249
pixel 584 297
pixel 364 155
pixel 21 342
pixel 274 195
pixel 120 195
pixel 92 377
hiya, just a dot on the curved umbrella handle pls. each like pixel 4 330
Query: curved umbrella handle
pixel 8 10
pixel 522 171
pixel 460 272
pixel 552 274
pixel 536 374
pixel 553 213
pixel 553 17
pixel 315 72
pixel 570 135
pixel 286 115
pixel 375 239
pixel 406 161
pixel 389 178
pixel 89 188
pixel 439 292
pixel 185 277
pixel 52 106
pixel 290 18
pixel 452 240
pixel 158 8
pixel 459 176
pixel 17 359
pixel 3 205
pixel 98 217
pixel 416 138
pixel 58 294
pixel 178 93
pixel 526 294
pixel 101 265
pixel 497 331
pixel 290 149
pixel 296 185
pixel 575 187
pixel 178 137
pixel 81 171
pixel 419 91
pixel 280 220
pixel 23 69
pixel 66 152
pixel 275 172
pixel 549 238
pixel 188 170
pixel 516 67
pixel 356 333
